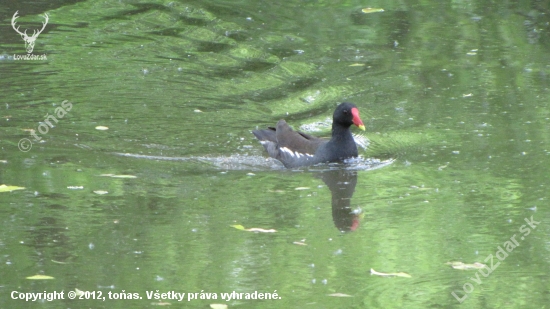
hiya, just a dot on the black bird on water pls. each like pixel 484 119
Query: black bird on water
pixel 295 148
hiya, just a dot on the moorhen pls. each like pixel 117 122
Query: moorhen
pixel 295 149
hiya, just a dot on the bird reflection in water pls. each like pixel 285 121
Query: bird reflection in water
pixel 341 183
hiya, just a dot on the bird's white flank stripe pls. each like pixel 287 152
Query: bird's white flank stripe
pixel 295 153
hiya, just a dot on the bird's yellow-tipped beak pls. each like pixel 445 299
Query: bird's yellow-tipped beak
pixel 356 120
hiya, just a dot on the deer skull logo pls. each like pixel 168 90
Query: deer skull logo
pixel 29 40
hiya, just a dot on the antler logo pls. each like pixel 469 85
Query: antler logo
pixel 29 40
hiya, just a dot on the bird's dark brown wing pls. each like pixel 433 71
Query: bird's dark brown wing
pixel 292 148
pixel 296 141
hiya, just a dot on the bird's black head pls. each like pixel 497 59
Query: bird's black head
pixel 347 114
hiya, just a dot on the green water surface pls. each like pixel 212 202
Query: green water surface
pixel 454 96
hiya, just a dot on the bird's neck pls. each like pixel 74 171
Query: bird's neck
pixel 340 133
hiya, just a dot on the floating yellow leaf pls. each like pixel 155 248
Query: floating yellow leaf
pixel 302 188
pixel 339 295
pixel 124 176
pixel 403 275
pixel 102 128
pixel 78 292
pixel 161 304
pixel 100 192
pixel 4 188
pixel 3 161
pixel 253 229
pixel 260 230
pixel 218 306
pixel 58 262
pixel 118 176
pixel 40 277
pixel 463 266
pixel 75 187
pixel 300 243
pixel 372 10
pixel 357 65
